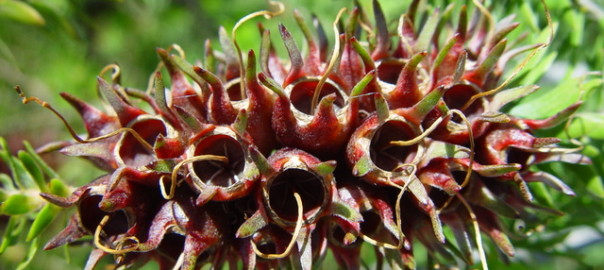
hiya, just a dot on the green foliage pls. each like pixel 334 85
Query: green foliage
pixel 26 210
pixel 21 12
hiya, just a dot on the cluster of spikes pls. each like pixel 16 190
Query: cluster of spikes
pixel 384 141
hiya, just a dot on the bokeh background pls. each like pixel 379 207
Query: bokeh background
pixel 52 46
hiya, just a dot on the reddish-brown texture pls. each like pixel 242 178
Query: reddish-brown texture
pixel 392 143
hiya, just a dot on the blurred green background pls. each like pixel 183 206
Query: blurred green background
pixel 52 46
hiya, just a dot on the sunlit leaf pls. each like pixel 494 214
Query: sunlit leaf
pixel 546 102
pixel 42 220
pixel 59 188
pixel 542 194
pixel 7 182
pixel 17 204
pixel 12 231
pixel 32 168
pixel 22 177
pixel 587 124
pixel 21 12
pixel 47 169
pixel 576 20
pixel 541 67
pixel 54 10
pixel 595 186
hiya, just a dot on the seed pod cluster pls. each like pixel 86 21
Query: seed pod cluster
pixel 384 138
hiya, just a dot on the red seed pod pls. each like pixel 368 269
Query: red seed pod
pixel 392 138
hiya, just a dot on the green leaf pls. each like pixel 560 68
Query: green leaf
pixel 31 252
pixel 529 16
pixel 542 194
pixel 541 65
pixel 7 182
pixel 59 188
pixel 30 166
pixel 595 186
pixel 545 103
pixel 13 230
pixel 587 124
pixel 4 151
pixel 21 12
pixel 54 10
pixel 47 169
pixel 504 97
pixel 22 177
pixel 42 220
pixel 17 204
pixel 576 20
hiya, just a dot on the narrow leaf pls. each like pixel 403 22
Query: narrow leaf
pixel 17 204
pixel 47 169
pixel 22 177
pixel 42 220
pixel 32 168
pixel 12 231
pixel 21 12
pixel 587 124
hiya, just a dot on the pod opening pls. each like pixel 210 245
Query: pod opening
pixel 217 173
pixel 302 93
pixel 306 183
pixel 387 156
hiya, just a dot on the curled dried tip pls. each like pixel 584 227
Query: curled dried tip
pixel 295 235
pixel 120 250
pixel 21 94
pixel 174 174
pixel 115 74
pixel 477 232
pixel 45 104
